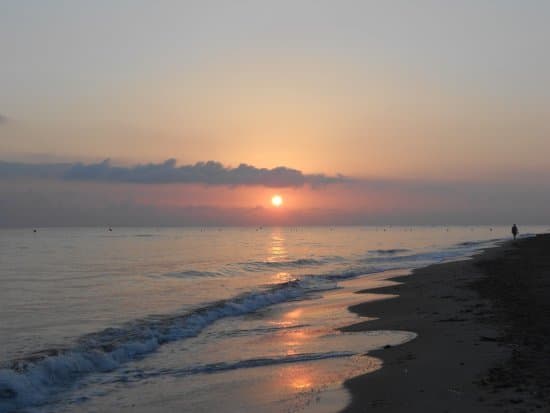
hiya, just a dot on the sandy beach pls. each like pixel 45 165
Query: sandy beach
pixel 482 329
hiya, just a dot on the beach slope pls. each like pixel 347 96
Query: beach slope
pixel 483 326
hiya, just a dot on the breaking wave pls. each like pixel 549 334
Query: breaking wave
pixel 32 380
pixel 390 251
pixel 192 273
pixel 300 262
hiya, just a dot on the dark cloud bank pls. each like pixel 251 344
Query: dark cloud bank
pixel 56 194
pixel 207 173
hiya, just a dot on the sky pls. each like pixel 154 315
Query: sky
pixel 198 112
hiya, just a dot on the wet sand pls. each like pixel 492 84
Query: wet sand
pixel 483 336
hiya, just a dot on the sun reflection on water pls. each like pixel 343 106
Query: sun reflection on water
pixel 302 383
pixel 277 250
pixel 282 277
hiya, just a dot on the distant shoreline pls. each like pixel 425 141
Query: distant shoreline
pixel 482 327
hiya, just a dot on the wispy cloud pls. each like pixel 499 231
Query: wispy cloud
pixel 206 173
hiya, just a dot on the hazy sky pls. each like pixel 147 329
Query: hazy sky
pixel 433 111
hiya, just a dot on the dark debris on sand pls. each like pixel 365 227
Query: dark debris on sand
pixel 518 285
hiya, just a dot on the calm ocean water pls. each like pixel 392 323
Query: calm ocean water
pixel 191 319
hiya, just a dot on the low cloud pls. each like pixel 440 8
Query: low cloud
pixel 42 195
pixel 11 170
pixel 206 173
pixel 3 119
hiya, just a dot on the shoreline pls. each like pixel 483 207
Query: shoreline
pixel 465 357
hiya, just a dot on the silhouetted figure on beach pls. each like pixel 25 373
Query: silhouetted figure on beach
pixel 515 231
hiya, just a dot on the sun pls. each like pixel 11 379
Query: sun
pixel 277 200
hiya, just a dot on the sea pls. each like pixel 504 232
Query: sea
pixel 202 319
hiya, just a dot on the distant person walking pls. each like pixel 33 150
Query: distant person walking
pixel 515 231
